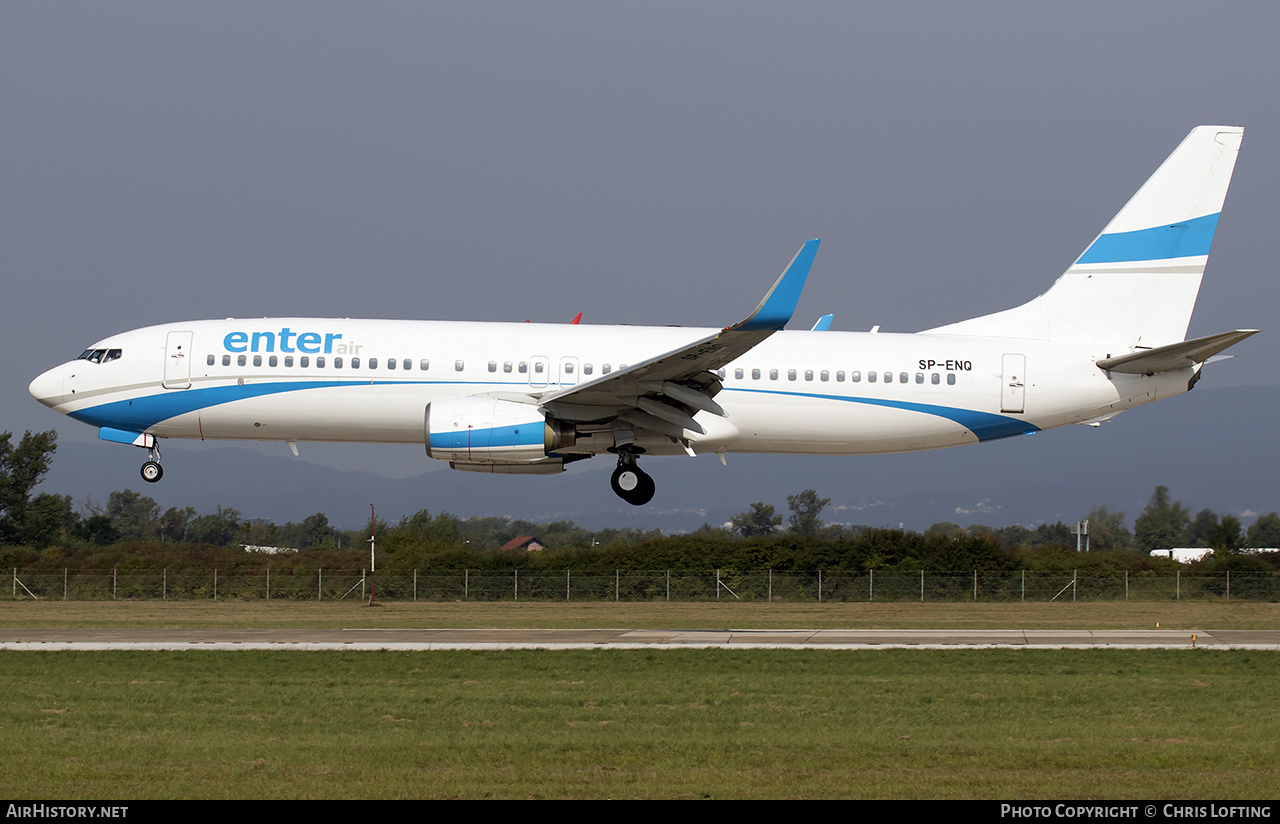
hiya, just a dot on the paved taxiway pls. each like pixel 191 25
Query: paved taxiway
pixel 481 639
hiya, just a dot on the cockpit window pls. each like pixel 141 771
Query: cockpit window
pixel 100 355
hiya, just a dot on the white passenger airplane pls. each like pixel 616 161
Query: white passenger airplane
pixel 524 398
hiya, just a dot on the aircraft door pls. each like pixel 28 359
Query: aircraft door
pixel 1013 383
pixel 177 361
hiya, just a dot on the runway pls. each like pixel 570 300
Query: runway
pixel 621 639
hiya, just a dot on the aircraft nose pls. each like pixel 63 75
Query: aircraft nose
pixel 48 387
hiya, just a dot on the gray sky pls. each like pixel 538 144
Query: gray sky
pixel 649 163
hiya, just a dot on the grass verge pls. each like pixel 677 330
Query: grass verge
pixel 640 724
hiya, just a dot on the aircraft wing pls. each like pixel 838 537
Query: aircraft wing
pixel 1182 355
pixel 671 387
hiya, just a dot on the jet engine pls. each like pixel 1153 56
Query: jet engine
pixel 482 431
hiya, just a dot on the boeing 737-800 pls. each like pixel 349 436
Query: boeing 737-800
pixel 524 398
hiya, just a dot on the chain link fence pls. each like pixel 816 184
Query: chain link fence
pixel 632 585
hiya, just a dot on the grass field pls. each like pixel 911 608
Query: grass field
pixel 1020 724
pixel 1185 615
pixel 640 724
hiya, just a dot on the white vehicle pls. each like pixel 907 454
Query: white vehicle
pixel 525 398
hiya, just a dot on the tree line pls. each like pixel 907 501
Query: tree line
pixel 49 521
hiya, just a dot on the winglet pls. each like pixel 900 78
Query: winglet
pixel 777 307
pixel 824 323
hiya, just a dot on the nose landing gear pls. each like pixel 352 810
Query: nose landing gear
pixel 631 483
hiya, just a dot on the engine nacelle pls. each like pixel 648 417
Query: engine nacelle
pixel 481 431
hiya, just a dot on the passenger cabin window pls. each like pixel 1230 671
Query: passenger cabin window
pixel 871 377
pixel 935 379
pixel 288 360
pixel 391 362
pixel 457 366
pixel 423 364
pixel 493 366
pixel 606 369
pixel 506 366
pixel 755 374
pixel 337 363
pixel 951 379
pixel 273 361
pixel 226 360
pixel 242 360
pixel 523 367
pixel 355 363
pixel 211 359
pixel 373 363
pixel 855 377
pixel 320 362
pixel 587 369
pixel 408 364
pixel 773 374
pixel 304 361
pixel 737 374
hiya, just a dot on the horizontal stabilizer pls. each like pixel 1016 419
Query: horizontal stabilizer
pixel 1175 356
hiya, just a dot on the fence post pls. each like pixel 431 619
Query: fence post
pixel 1228 585
pixel 1177 590
pixel 269 585
pixel 320 585
pixel 64 583
pixel 819 586
pixel 1126 585
pixel 871 585
pixel 922 585
pixel 215 583
pixel 566 585
pixel 771 585
pixel 415 585
pixel 717 584
pixel 616 575
pixel 466 583
pixel 164 583
pixel 515 585
pixel 668 585
pixel 113 582
pixel 975 585
pixel 1075 576
pixel 1024 586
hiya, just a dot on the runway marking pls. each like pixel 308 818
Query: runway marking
pixel 622 639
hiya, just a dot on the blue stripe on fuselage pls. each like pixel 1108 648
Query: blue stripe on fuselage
pixel 139 414
pixel 986 426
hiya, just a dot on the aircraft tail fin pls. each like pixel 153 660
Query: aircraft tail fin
pixel 1136 284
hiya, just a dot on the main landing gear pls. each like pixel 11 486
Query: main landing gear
pixel 151 470
pixel 631 483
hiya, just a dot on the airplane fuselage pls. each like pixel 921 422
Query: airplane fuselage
pixel 306 379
